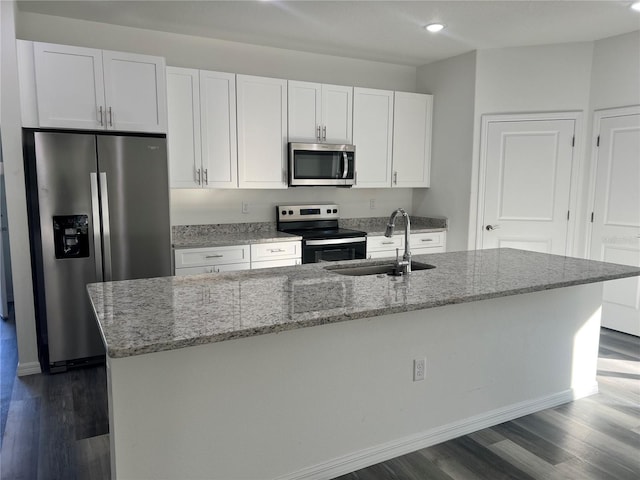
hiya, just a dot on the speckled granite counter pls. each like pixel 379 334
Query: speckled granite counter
pixel 226 234
pixel 143 316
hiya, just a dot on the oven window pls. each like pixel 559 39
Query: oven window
pixel 317 165
pixel 334 253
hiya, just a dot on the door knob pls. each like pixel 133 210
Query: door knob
pixel 488 228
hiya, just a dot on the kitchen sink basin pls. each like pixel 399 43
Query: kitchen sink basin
pixel 383 269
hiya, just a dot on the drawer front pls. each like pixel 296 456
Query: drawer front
pixel 427 240
pixel 381 242
pixel 230 267
pixel 286 262
pixel 275 251
pixel 200 257
pixel 422 251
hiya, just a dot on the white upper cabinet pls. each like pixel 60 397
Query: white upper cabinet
pixel 320 113
pixel 411 139
pixel 93 89
pixel 218 129
pixel 69 86
pixel 202 128
pixel 262 132
pixel 135 92
pixel 372 136
pixel 183 138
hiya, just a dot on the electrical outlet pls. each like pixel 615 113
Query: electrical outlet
pixel 419 367
pixel 372 204
pixel 245 207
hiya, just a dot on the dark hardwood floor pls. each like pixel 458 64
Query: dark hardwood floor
pixel 56 427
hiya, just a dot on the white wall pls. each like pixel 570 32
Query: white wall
pixel 548 78
pixel 452 82
pixel 615 77
pixel 16 195
pixel 216 206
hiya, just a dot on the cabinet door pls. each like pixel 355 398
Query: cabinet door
pixel 183 106
pixel 372 134
pixel 218 123
pixel 337 114
pixel 412 139
pixel 69 86
pixel 135 92
pixel 304 111
pixel 262 132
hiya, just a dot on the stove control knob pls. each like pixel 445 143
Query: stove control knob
pixel 335 210
pixel 284 212
pixel 328 210
pixel 290 212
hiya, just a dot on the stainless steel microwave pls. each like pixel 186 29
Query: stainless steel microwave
pixel 321 164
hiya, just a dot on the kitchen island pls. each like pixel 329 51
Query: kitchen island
pixel 302 372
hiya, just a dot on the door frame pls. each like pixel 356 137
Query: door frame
pixel 598 116
pixel 476 216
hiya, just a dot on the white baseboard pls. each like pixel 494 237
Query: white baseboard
pixel 29 368
pixel 380 453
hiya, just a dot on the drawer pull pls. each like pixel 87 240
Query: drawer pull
pixel 427 240
pixel 387 243
pixel 276 250
pixel 214 256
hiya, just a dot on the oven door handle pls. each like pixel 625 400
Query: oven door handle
pixel 334 241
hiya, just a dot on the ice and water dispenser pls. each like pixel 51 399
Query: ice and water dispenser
pixel 71 236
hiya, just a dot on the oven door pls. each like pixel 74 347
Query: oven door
pixel 334 249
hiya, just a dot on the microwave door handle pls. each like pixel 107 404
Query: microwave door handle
pixel 345 168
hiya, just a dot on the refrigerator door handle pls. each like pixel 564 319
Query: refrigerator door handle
pixel 95 220
pixel 106 235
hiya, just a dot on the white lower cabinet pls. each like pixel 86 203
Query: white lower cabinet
pixel 276 254
pixel 191 261
pixel 379 246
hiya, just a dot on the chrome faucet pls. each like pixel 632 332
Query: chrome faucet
pixel 405 265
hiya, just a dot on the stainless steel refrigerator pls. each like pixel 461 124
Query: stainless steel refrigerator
pixel 98 208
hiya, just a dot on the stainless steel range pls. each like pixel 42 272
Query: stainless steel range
pixel 322 238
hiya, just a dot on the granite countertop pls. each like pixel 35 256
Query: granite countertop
pixel 226 234
pixel 151 315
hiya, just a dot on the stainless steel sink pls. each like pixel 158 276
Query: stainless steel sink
pixel 380 269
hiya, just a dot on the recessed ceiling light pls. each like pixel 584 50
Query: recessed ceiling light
pixel 635 6
pixel 434 27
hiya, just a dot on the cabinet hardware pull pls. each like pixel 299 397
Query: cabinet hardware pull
pixel 214 256
pixel 318 134
pixel 387 243
pixel 324 133
pixel 276 250
pixel 395 178
pixel 198 176
pixel 427 240
pixel 101 122
pixel 110 117
pixel 206 176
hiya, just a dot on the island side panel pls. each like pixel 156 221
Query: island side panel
pixel 321 401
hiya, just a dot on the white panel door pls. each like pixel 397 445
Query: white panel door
pixel 527 185
pixel 218 123
pixel 262 131
pixel 135 92
pixel 183 105
pixel 412 139
pixel 337 114
pixel 372 136
pixel 304 111
pixel 69 86
pixel 616 216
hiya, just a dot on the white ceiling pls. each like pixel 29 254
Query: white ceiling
pixel 388 31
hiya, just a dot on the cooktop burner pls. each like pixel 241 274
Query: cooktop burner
pixel 318 221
